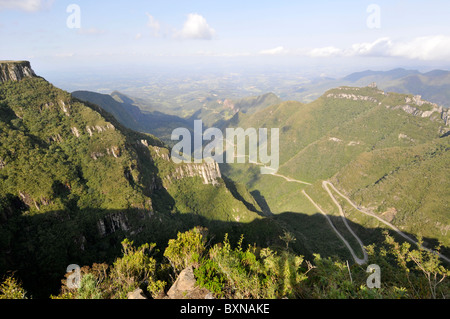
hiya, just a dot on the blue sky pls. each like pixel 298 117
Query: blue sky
pixel 399 33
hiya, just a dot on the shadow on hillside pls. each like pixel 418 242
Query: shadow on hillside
pixel 132 117
pixel 259 199
pixel 39 248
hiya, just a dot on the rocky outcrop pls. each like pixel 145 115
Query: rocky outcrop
pixel 119 221
pixel 417 99
pixel 335 139
pixel 414 105
pixel 99 128
pixel 228 104
pixel 402 136
pixel 208 171
pixel 353 97
pixel 75 131
pixel 113 222
pixel 159 152
pixel 436 113
pixel 136 294
pixel 185 287
pixel 15 70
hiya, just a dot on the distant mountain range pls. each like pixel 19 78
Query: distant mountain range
pixel 433 86
pixel 152 117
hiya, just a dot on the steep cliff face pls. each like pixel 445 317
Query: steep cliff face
pixel 208 171
pixel 15 70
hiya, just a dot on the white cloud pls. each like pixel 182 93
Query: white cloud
pixel 153 24
pixel 427 48
pixel 423 48
pixel 380 47
pixel 430 48
pixel 196 27
pixel 329 51
pixel 275 51
pixel 25 5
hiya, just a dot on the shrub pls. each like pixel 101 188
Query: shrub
pixel 10 288
pixel 421 261
pixel 89 288
pixel 134 268
pixel 187 249
pixel 252 275
pixel 208 276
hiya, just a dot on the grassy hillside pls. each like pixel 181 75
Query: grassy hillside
pixel 387 153
pixel 409 187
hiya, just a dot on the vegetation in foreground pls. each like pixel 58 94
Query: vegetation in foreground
pixel 256 273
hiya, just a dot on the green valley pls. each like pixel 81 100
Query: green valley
pixel 85 176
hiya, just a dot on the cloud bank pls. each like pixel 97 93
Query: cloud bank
pixel 429 48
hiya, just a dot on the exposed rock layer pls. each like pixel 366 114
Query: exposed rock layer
pixel 15 70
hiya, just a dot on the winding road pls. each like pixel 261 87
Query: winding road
pixel 360 261
pixel 326 186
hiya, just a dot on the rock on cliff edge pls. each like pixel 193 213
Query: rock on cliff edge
pixel 15 70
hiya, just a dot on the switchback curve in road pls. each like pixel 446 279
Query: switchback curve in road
pixel 325 185
pixel 360 261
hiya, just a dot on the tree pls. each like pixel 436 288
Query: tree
pixel 426 261
pixel 288 238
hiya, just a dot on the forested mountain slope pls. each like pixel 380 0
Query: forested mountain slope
pixel 74 182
